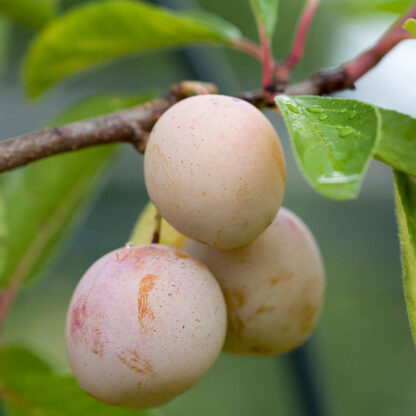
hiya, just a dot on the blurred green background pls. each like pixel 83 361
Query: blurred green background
pixel 361 357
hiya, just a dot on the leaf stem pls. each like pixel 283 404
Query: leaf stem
pixel 267 59
pixel 6 300
pixel 299 42
pixel 248 47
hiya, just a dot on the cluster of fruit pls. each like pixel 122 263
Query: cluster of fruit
pixel 146 322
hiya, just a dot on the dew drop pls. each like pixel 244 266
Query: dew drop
pixel 346 131
pixel 353 114
pixel 315 109
pixel 128 245
pixel 343 110
pixel 338 127
pixel 323 117
pixel 292 108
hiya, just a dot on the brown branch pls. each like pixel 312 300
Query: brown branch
pixel 131 126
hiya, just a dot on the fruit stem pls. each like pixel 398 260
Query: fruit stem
pixel 156 232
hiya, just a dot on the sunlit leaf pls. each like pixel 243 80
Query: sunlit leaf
pixel 410 25
pixel 146 226
pixel 333 140
pixel 359 7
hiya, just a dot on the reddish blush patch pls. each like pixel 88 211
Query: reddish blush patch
pixel 147 283
pixel 85 326
pixel 139 256
pixel 78 318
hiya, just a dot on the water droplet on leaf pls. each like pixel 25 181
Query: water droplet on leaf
pixel 353 114
pixel 315 109
pixel 128 245
pixel 346 131
pixel 323 117
pixel 343 110
pixel 292 108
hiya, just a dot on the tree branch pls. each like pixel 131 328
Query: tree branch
pixel 131 126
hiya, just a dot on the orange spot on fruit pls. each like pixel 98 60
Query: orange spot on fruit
pixel 147 283
pixel 279 160
pixel 181 255
pixel 134 362
pixel 308 317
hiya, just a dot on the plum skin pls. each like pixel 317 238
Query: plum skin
pixel 145 323
pixel 273 287
pixel 215 170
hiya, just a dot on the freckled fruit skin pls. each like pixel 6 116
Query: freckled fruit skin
pixel 273 287
pixel 144 324
pixel 215 170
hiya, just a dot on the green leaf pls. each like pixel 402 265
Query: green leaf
pixel 100 32
pixel 410 26
pixel 216 23
pixel 18 361
pixel 405 196
pixel 266 14
pixel 44 199
pixel 31 390
pixel 359 7
pixel 32 13
pixel 4 43
pixel 333 140
pixel 397 145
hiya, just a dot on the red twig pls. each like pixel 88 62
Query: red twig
pixel 6 299
pixel 299 42
pixel 358 67
pixel 248 47
pixel 252 49
pixel 343 77
pixel 267 59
